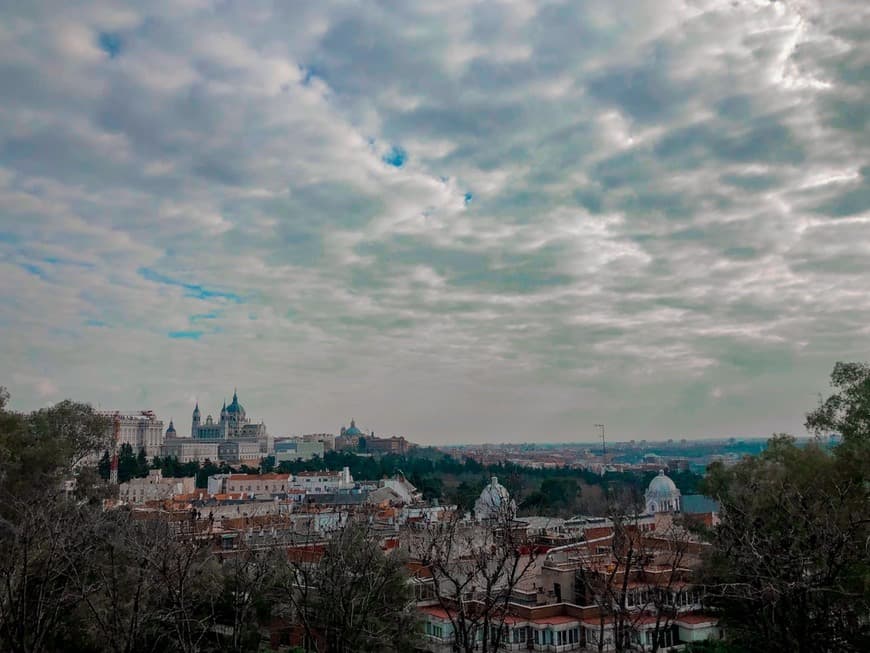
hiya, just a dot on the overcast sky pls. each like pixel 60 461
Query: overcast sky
pixel 452 220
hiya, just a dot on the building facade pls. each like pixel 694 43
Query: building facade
pixel 154 487
pixel 293 449
pixel 233 438
pixel 140 429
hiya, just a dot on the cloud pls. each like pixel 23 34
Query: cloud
pixel 464 220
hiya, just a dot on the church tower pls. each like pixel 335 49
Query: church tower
pixel 194 426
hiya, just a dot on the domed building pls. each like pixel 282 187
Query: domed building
pixel 234 438
pixel 352 430
pixel 662 495
pixel 493 501
pixel 349 437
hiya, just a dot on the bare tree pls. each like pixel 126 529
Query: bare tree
pixel 42 545
pixel 189 581
pixel 248 576
pixel 475 568
pixel 348 595
pixel 634 580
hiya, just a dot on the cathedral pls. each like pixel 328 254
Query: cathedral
pixel 233 424
pixel 234 438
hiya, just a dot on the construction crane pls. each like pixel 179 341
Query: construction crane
pixel 116 436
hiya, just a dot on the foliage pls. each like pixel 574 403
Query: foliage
pixel 40 449
pixel 354 599
pixel 789 566
pixel 847 411
pixel 556 496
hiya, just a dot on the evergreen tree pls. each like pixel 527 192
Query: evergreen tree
pixel 127 464
pixel 104 467
pixel 142 464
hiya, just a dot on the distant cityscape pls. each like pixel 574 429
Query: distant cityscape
pixel 233 438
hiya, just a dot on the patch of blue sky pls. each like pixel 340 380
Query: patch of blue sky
pixel 57 260
pixel 190 334
pixel 212 315
pixel 190 289
pixel 95 323
pixel 110 44
pixel 7 237
pixel 467 198
pixel 35 270
pixel 309 73
pixel 396 157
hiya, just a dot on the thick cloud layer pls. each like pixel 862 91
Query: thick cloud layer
pixel 456 220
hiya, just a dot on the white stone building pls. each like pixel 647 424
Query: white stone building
pixel 323 482
pixel 404 489
pixel 140 429
pixel 258 484
pixel 154 487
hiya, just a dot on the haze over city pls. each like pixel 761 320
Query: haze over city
pixel 452 221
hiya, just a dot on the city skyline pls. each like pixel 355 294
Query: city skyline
pixel 459 222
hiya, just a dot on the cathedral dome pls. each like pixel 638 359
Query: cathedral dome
pixel 662 486
pixel 352 429
pixel 170 432
pixel 235 407
pixel 492 500
pixel 662 495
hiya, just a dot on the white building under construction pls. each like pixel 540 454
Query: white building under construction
pixel 140 429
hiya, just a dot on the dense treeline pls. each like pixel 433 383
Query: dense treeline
pixel 560 491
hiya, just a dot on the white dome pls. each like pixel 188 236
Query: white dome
pixel 662 486
pixel 491 500
pixel 662 495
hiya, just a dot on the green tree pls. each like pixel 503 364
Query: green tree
pixel 267 465
pixel 141 464
pixel 104 467
pixel 41 448
pixel 847 411
pixel 127 463
pixel 788 568
pixel 208 469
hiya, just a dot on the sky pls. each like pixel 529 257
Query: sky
pixel 456 221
